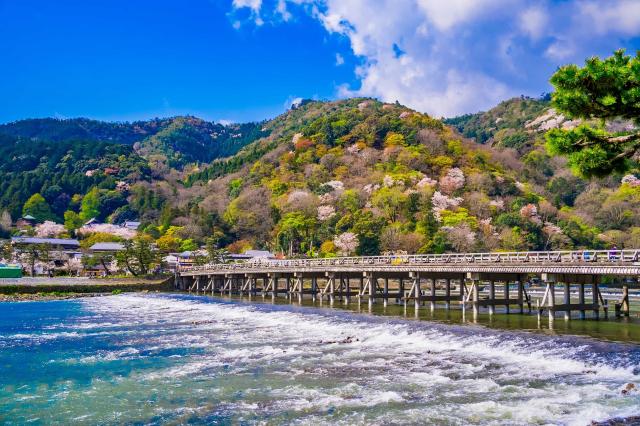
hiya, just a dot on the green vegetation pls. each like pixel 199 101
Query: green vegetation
pixel 603 90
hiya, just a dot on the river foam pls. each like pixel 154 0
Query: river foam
pixel 206 360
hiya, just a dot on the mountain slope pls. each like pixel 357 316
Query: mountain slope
pixel 354 176
pixel 503 125
pixel 176 140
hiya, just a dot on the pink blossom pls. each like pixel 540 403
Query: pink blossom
pixel 49 229
pixel 107 228
pixel 452 181
pixel 530 212
pixel 426 181
pixel 326 212
pixel 631 180
pixel 443 202
pixel 346 243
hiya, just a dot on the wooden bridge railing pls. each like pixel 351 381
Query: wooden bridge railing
pixel 584 257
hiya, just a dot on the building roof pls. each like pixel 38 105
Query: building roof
pixel 107 247
pixel 28 217
pixel 132 224
pixel 52 241
pixel 259 253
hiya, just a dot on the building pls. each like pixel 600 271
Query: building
pixel 252 255
pixel 55 243
pixel 10 271
pixel 106 247
pixel 61 254
pixel 131 224
pixel 27 221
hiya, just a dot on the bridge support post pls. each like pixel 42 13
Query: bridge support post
pixel 385 294
pixel 507 301
pixel 567 300
pixel 432 304
pixel 475 291
pixel 415 286
pixel 624 303
pixel 276 281
pixel 551 286
pixel 492 297
pixel 347 290
pixel 447 289
pixel 314 287
pixel 401 292
pixel 594 296
pixel 581 300
pixel 288 287
pixel 368 284
pixel 521 294
pixel 332 287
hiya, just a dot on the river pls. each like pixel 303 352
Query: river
pixel 168 358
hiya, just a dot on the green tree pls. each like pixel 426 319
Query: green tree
pixel 6 251
pixel 214 253
pixel 294 235
pixel 103 258
pixel 72 220
pixel 602 89
pixel 90 206
pixel 33 253
pixel 38 207
pixel 138 256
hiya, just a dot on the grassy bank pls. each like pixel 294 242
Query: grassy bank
pixel 49 286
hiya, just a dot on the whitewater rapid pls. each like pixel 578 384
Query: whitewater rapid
pixel 206 360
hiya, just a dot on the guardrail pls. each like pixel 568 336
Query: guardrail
pixel 585 257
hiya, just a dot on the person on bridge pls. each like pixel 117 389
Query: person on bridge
pixel 613 253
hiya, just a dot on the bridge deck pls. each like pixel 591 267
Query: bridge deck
pixel 587 262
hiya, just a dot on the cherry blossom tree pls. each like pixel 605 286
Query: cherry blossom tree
pixel 49 229
pixel 452 181
pixel 346 243
pixel 326 212
pixel 107 228
pixel 442 202
pixel 530 213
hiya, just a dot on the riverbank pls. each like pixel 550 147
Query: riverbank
pixel 43 297
pixel 69 287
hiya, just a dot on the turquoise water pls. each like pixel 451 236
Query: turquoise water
pixel 176 359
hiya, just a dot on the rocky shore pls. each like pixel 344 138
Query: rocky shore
pixel 32 297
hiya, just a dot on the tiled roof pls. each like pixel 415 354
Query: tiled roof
pixel 107 247
pixel 52 241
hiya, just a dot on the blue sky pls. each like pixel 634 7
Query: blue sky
pixel 244 60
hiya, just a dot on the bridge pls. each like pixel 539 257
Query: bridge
pixel 475 280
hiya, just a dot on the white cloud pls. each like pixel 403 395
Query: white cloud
pixel 560 50
pixel 533 22
pixel 254 5
pixel 460 55
pixel 281 9
pixel 622 16
pixel 446 14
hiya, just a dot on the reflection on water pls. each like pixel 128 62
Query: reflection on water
pixel 623 329
pixel 185 359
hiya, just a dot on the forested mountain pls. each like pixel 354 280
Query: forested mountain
pixel 326 178
pixel 176 140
